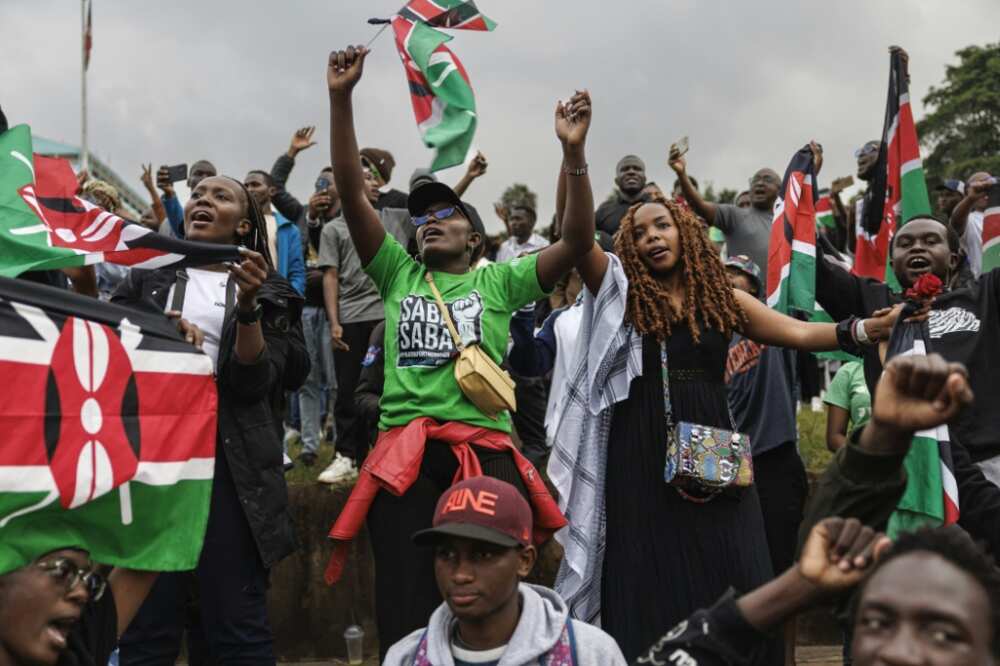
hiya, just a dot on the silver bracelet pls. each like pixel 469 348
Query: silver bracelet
pixel 582 171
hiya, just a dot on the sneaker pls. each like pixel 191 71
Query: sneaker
pixel 307 458
pixel 287 462
pixel 341 469
pixel 291 437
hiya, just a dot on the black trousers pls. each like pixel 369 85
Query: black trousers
pixel 221 604
pixel 782 486
pixel 406 592
pixel 352 438
pixel 532 395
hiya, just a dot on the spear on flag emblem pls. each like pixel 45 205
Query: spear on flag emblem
pixel 440 90
pixel 109 420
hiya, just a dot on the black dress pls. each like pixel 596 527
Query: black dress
pixel 665 556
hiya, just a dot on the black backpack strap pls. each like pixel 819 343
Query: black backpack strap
pixel 180 287
pixel 230 295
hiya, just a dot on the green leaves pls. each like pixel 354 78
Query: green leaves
pixel 962 125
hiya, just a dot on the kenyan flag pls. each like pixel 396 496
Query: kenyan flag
pixel 991 231
pixel 44 225
pixel 791 259
pixel 109 423
pixel 898 190
pixel 931 496
pixel 448 14
pixel 440 91
pixel 824 211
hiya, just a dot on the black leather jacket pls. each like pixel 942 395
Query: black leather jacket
pixel 250 400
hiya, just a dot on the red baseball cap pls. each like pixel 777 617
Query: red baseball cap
pixel 484 509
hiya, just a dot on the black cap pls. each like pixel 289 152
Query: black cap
pixel 428 194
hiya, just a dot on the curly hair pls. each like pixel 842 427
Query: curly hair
pixel 706 288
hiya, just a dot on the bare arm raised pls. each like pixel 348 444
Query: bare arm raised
pixel 577 234
pixel 343 72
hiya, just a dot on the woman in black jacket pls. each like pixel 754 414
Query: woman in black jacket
pixel 246 317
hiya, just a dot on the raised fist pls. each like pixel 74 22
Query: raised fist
pixel 344 68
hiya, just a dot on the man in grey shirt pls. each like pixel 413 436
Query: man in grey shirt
pixel 354 309
pixel 747 230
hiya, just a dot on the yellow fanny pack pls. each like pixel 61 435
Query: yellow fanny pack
pixel 484 383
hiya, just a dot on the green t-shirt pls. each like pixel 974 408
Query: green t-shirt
pixel 419 352
pixel 849 391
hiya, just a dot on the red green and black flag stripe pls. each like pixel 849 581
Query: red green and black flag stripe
pixel 109 422
pixel 791 259
pixel 897 192
pixel 45 225
pixel 440 91
pixel 447 14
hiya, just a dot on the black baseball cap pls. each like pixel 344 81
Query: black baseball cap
pixel 428 194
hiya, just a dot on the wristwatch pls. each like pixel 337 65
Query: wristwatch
pixel 249 318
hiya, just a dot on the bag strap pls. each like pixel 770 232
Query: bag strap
pixel 444 312
pixel 180 287
pixel 667 407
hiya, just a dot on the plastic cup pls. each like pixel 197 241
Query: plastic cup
pixel 354 636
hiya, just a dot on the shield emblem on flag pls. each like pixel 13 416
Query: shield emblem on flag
pixel 91 430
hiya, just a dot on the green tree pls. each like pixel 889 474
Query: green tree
pixel 519 194
pixel 962 125
pixel 727 195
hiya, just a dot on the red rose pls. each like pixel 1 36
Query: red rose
pixel 925 288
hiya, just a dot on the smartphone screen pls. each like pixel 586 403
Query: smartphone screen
pixel 178 173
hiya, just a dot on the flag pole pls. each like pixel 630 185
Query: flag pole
pixel 376 21
pixel 84 153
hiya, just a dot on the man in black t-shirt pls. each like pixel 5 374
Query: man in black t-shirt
pixel 60 609
pixel 630 179
pixel 963 327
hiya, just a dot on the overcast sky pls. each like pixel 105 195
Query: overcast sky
pixel 230 80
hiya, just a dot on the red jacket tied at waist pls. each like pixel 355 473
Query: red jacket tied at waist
pixel 394 465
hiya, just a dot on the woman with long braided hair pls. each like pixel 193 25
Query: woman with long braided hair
pixel 644 554
pixel 246 317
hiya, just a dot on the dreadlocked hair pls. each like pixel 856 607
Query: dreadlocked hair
pixel 256 239
pixel 706 288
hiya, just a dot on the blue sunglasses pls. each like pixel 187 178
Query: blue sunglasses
pixel 439 215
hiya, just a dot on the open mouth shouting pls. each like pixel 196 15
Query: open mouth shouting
pixel 918 265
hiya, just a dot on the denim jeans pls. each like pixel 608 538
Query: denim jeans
pixel 312 396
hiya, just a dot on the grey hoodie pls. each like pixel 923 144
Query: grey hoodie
pixel 543 615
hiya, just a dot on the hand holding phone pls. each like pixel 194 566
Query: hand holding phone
pixel 177 173
pixel 679 148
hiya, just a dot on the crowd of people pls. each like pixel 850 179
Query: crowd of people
pixel 485 395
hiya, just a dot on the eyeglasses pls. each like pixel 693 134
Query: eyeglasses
pixel 439 215
pixel 867 149
pixel 69 574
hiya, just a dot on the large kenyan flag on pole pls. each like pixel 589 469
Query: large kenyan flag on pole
pixel 991 231
pixel 442 97
pixel 898 191
pixel 931 496
pixel 791 259
pixel 44 225
pixel 109 426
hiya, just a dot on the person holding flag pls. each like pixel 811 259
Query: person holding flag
pixel 961 325
pixel 432 432
pixel 247 319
